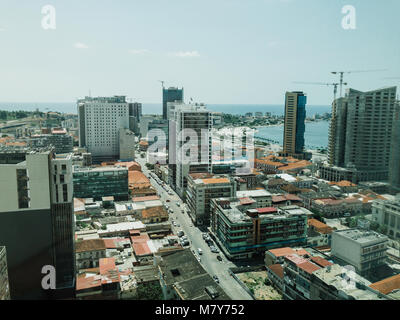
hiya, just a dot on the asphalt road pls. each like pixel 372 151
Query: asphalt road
pixel 208 259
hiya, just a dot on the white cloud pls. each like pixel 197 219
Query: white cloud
pixel 186 54
pixel 139 51
pixel 80 45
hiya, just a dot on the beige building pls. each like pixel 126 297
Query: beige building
pixel 89 252
pixel 202 187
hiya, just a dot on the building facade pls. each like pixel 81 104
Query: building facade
pixel 202 188
pixel 364 250
pixel 295 116
pixel 99 122
pixel 361 136
pixel 394 167
pixel 126 145
pixel 36 203
pixel 387 214
pixel 101 182
pixel 171 95
pixel 243 229
pixel 190 149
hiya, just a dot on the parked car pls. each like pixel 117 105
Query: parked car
pixel 219 258
pixel 200 251
pixel 216 279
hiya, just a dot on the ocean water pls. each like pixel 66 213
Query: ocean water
pixel 156 108
pixel 315 136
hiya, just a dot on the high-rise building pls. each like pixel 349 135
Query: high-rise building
pixel 190 124
pixel 394 166
pixel 4 285
pixel 36 203
pixel 135 110
pixel 171 95
pixel 126 145
pixel 99 122
pixel 135 115
pixel 295 116
pixel 361 136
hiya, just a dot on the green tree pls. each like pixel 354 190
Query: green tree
pixel 151 291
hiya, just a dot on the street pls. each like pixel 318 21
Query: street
pixel 208 260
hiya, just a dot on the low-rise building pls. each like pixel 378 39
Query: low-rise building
pixel 102 283
pixel 339 283
pixel 98 182
pixel 364 250
pixel 262 197
pixel 243 229
pixel 182 277
pixel 319 233
pixel 337 207
pixel 89 252
pixel 297 276
pixel 387 214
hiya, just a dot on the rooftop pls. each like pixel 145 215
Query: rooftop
pixel 90 245
pixel 361 236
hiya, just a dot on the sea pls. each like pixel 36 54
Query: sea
pixel 316 134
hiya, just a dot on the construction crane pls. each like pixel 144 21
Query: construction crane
pixel 335 85
pixel 341 73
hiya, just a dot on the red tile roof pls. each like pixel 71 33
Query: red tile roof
pixel 308 267
pixel 83 282
pixel 387 285
pixel 321 262
pixel 267 210
pixel 244 201
pixel 280 252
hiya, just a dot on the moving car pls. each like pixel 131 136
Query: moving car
pixel 200 251
pixel 219 258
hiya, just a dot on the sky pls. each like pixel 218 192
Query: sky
pixel 220 51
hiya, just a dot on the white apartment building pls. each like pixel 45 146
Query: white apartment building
pixel 364 250
pixel 192 125
pixel 99 122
